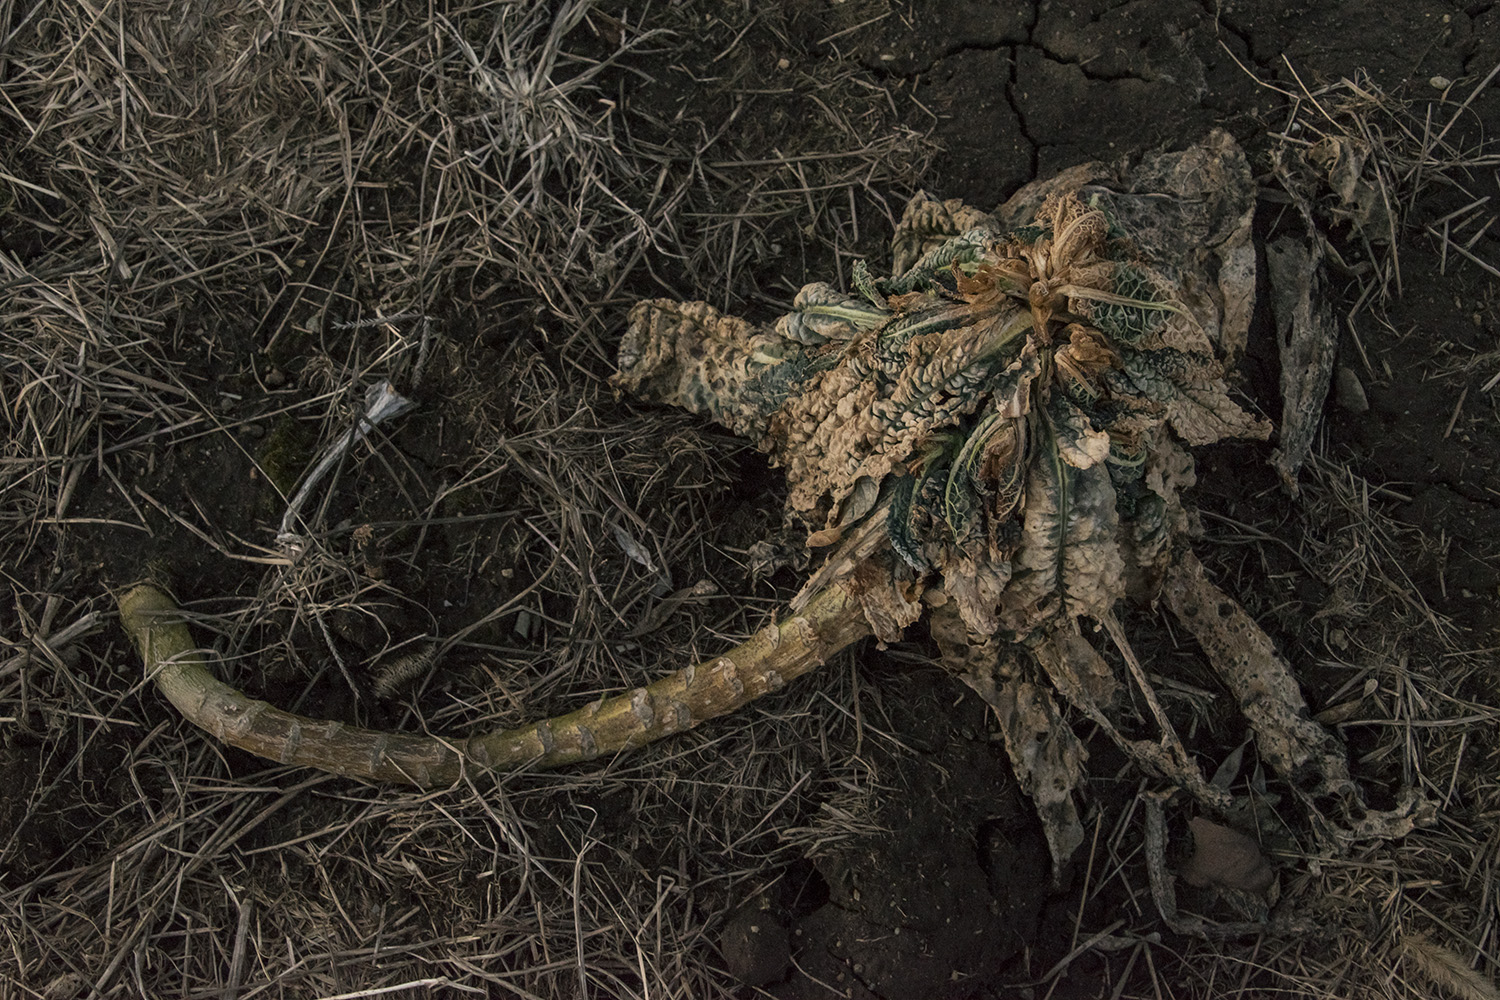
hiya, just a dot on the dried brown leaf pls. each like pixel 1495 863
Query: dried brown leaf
pixel 1307 338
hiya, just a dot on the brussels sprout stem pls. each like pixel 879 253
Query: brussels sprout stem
pixel 775 655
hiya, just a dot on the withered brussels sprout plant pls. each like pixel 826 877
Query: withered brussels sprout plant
pixel 996 436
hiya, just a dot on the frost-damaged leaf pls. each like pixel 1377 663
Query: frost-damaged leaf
pixel 1078 442
pixel 1148 493
pixel 975 587
pixel 857 505
pixel 1046 756
pixel 1080 675
pixel 1078 672
pixel 884 600
pixel 1294 745
pixel 1069 560
pixel 928 223
pixel 1048 760
pixel 1244 656
pixel 1191 388
pixel 688 354
pixel 821 313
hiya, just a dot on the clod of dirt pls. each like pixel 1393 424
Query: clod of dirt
pixel 755 946
pixel 1226 859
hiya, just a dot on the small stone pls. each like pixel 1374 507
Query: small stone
pixel 1349 392
pixel 1440 83
pixel 253 431
pixel 1226 858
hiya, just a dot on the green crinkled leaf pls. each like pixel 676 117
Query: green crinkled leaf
pixel 821 313
pixel 962 505
pixel 1125 322
pixel 1191 388
pixel 691 355
pixel 1028 235
pixel 940 317
pixel 898 523
pixel 962 493
pixel 959 250
pixel 940 383
pixel 987 476
pixel 773 383
pixel 1069 559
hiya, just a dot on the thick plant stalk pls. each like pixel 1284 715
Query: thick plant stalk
pixel 772 657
